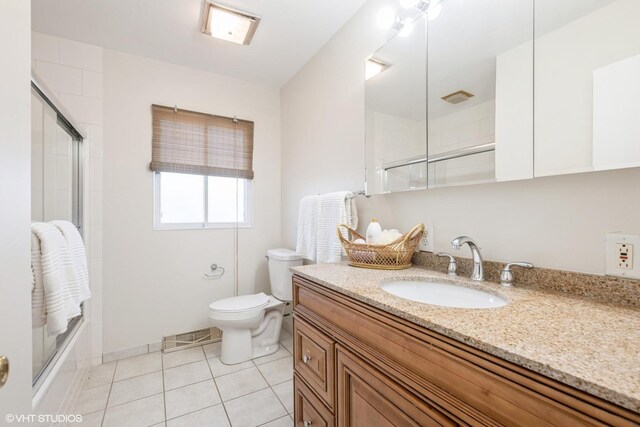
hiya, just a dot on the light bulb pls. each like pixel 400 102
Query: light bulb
pixel 406 30
pixel 434 11
pixel 386 18
pixel 408 4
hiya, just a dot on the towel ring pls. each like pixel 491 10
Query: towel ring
pixel 216 272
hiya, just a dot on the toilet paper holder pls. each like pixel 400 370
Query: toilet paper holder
pixel 216 272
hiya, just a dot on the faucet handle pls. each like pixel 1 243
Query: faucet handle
pixel 453 265
pixel 506 276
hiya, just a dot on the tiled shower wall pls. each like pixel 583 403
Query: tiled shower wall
pixel 73 72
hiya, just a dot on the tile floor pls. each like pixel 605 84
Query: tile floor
pixel 191 388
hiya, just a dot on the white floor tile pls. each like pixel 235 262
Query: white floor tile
pixel 218 368
pixel 288 344
pixel 93 419
pixel 142 412
pixel 191 398
pixel 182 357
pixel 285 421
pixel 93 399
pixel 213 350
pixel 135 388
pixel 139 365
pixel 100 375
pixel 214 416
pixel 186 374
pixel 284 391
pixel 278 371
pixel 240 383
pixel 284 334
pixel 279 354
pixel 264 405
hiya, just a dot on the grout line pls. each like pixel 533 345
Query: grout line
pixel 215 384
pixel 104 414
pixel 164 392
pixel 197 410
pixel 275 419
pixel 275 394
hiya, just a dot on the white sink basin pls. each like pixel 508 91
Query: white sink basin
pixel 443 294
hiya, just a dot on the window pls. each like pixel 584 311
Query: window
pixel 184 201
pixel 203 167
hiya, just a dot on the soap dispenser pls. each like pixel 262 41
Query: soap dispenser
pixel 373 229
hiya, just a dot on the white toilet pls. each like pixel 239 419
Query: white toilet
pixel 251 324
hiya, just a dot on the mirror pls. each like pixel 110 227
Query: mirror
pixel 461 84
pixel 587 85
pixel 396 112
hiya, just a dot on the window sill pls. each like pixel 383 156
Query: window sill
pixel 199 226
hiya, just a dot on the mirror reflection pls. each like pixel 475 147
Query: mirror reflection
pixel 396 112
pixel 587 85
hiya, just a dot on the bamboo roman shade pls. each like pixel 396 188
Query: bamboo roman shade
pixel 201 144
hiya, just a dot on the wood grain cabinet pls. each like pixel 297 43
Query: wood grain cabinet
pixel 356 365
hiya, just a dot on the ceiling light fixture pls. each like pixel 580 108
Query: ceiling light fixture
pixel 458 97
pixel 226 23
pixel 373 67
pixel 399 21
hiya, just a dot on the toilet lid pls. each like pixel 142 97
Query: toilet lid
pixel 241 303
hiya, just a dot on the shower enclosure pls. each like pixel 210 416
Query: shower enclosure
pixel 56 194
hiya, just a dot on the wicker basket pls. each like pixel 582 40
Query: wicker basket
pixel 393 256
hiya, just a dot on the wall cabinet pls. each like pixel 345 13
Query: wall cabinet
pixel 356 365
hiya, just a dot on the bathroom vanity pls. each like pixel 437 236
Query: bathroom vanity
pixel 364 357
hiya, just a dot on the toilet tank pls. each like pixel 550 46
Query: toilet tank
pixel 280 260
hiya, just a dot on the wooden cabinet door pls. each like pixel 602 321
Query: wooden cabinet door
pixel 366 398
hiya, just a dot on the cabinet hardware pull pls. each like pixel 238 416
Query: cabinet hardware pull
pixel 4 370
pixel 306 423
pixel 306 359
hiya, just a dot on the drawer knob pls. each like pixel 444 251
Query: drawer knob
pixel 306 423
pixel 306 359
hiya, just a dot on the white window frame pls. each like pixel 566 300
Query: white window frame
pixel 159 225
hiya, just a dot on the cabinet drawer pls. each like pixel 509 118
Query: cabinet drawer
pixel 314 359
pixel 308 410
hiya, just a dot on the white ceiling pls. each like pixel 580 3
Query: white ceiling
pixel 290 33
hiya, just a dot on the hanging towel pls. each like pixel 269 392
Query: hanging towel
pixel 352 211
pixel 78 259
pixel 307 227
pixel 38 313
pixel 51 275
pixel 332 211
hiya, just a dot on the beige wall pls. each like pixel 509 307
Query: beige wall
pixel 153 279
pixel 554 222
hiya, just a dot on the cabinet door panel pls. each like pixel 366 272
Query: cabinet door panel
pixel 366 398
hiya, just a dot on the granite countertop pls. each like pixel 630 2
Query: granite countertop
pixel 589 345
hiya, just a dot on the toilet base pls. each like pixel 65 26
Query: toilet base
pixel 243 344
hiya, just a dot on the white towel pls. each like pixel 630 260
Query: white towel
pixel 352 211
pixel 38 313
pixel 51 293
pixel 307 227
pixel 78 259
pixel 332 211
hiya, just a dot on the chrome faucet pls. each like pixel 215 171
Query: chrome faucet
pixel 478 270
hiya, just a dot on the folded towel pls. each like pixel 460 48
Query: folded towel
pixel 307 227
pixel 51 269
pixel 332 211
pixel 352 211
pixel 78 259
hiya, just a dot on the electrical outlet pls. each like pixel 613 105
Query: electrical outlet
pixel 426 241
pixel 625 255
pixel 619 255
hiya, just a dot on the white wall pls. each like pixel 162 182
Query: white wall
pixel 153 279
pixel 554 222
pixel 73 72
pixel 15 213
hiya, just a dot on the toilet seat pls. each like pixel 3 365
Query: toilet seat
pixel 240 303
